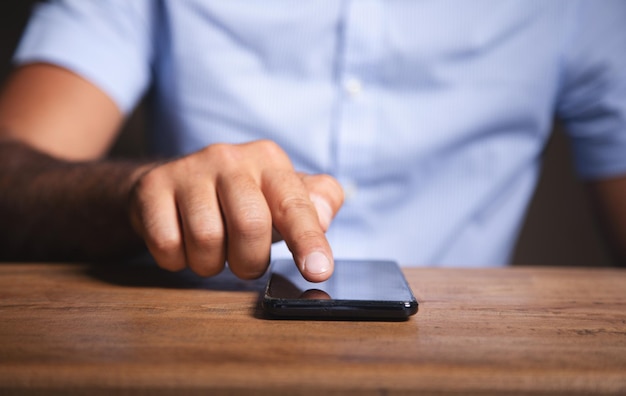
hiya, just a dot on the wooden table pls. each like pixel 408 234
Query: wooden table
pixel 73 328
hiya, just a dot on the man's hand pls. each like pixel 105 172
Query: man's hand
pixel 63 202
pixel 224 202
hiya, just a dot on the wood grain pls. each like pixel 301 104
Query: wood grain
pixel 84 329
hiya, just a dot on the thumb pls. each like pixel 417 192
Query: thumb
pixel 326 194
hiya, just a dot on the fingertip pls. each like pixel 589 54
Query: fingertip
pixel 317 267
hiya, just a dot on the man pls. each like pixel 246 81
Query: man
pixel 431 115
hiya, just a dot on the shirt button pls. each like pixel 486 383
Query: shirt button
pixel 353 86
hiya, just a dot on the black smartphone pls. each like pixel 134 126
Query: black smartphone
pixel 358 290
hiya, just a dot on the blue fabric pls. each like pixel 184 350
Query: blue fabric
pixel 432 114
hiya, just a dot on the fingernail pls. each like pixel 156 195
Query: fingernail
pixel 316 263
pixel 324 211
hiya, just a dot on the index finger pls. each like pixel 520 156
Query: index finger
pixel 296 219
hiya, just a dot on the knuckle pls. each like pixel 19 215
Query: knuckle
pixel 271 150
pixel 150 181
pixel 293 205
pixel 215 149
pixel 204 245
pixel 221 153
pixel 308 238
pixel 268 146
pixel 251 224
pixel 166 252
pixel 207 237
pixel 163 245
pixel 202 222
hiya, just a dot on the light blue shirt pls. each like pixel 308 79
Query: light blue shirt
pixel 432 114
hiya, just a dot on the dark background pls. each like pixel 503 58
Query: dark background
pixel 559 229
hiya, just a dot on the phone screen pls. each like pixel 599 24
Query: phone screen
pixel 358 289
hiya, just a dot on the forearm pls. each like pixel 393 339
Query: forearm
pixel 57 210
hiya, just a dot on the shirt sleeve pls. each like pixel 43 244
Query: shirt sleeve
pixel 107 42
pixel 592 103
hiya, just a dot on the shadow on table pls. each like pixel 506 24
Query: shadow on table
pixel 145 273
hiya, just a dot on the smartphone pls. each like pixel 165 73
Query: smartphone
pixel 357 290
